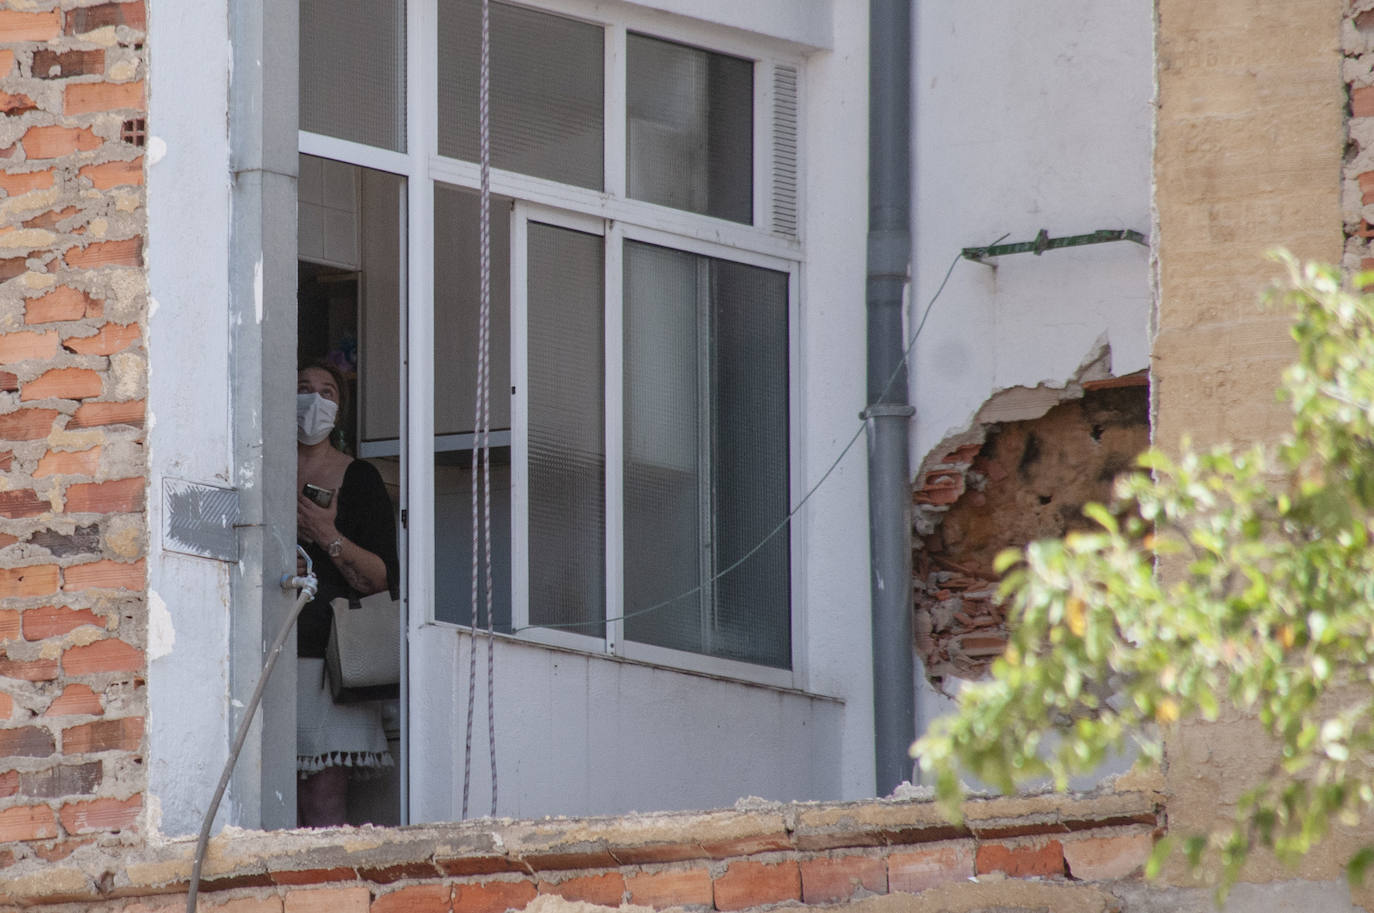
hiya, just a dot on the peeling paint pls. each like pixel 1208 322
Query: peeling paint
pixel 161 634
pixel 257 290
pixel 157 150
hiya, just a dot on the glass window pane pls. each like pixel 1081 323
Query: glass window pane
pixel 690 130
pixel 706 449
pixel 567 454
pixel 352 70
pixel 749 447
pixel 663 543
pixel 456 291
pixel 547 75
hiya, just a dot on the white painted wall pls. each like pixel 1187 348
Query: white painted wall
pixel 1028 116
pixel 580 734
pixel 188 399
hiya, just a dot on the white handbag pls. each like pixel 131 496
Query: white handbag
pixel 364 652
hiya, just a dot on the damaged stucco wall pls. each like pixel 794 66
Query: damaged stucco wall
pixel 1028 116
pixel 1022 124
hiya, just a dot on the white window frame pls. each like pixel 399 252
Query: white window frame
pixel 616 218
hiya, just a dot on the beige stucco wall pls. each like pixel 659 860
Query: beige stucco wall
pixel 1250 135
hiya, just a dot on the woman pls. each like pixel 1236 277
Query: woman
pixel 352 541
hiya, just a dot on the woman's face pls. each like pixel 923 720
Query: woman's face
pixel 318 380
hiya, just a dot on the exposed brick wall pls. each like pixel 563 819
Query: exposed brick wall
pixel 72 466
pixel 806 853
pixel 1018 482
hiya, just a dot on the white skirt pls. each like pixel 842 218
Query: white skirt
pixel 335 735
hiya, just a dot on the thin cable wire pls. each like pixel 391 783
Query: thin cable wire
pixel 484 128
pixel 906 354
pixel 481 452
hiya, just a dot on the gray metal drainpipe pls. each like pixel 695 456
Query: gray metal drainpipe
pixel 888 414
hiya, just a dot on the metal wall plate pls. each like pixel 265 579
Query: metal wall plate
pixel 199 519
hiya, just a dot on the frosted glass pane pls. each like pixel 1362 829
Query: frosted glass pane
pixel 690 129
pixel 706 450
pixel 547 75
pixel 352 70
pixel 567 455
pixel 663 544
pixel 456 288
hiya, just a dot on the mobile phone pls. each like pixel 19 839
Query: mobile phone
pixel 321 496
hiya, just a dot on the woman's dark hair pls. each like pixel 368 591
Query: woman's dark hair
pixel 319 364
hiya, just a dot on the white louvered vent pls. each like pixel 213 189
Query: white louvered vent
pixel 785 150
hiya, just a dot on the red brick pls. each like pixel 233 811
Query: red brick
pixel 6 62
pixel 17 26
pixel 112 338
pixel 490 896
pixel 110 655
pixel 101 815
pixel 15 183
pixel 606 889
pixel 417 898
pixel 61 849
pixel 56 65
pixel 27 344
pixel 63 383
pixel 62 303
pixel 13 266
pixel 94 415
pixel 352 899
pixel 27 424
pixel 62 781
pixel 1362 102
pixel 114 174
pixel 29 670
pixel 128 252
pixel 125 734
pixel 1108 858
pixel 22 502
pixel 26 742
pixel 120 496
pixel 99 97
pixel 671 888
pixel 313 876
pixel 6 706
pixel 916 870
pixel 753 884
pixel 35 580
pixel 13 105
pixel 50 220
pixel 51 142
pixel 68 463
pixel 76 700
pixel 1021 861
pixel 9 625
pixel 27 822
pixel 9 783
pixel 89 18
pixel 104 575
pixel 6 461
pixel 269 904
pixel 54 621
pixel 830 879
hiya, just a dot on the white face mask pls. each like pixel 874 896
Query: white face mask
pixel 314 417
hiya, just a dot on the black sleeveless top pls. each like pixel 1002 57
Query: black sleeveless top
pixel 367 520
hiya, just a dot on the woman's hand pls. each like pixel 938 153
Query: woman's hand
pixel 315 523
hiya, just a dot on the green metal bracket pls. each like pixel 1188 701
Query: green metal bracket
pixel 1044 242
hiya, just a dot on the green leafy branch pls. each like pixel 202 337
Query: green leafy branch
pixel 1227 577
